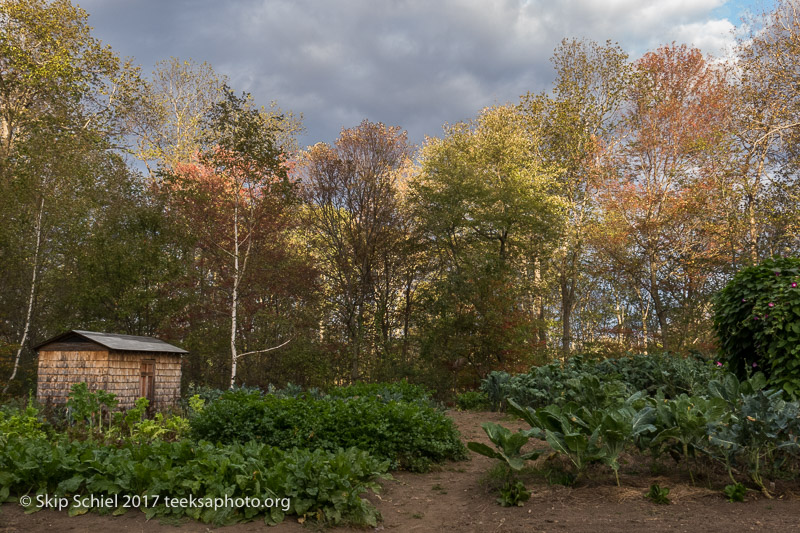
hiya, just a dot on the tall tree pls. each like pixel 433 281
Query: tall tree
pixel 352 189
pixel 61 98
pixel 233 199
pixel 676 119
pixel 175 100
pixel 577 124
pixel 487 204
pixel 766 133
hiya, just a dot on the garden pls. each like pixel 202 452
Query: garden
pixel 235 456
pixel 642 424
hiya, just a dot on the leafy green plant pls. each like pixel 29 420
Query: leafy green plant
pixel 513 494
pixel 509 445
pixel 136 414
pixel 757 322
pixel 412 435
pixel 196 404
pixel 735 492
pixel 683 423
pixel 23 423
pixel 320 485
pixel 564 431
pixel 620 427
pixel 658 494
pixel 85 406
pixel 495 387
pixel 601 384
pixel 401 391
pixel 762 431
pixel 160 427
pixel 473 401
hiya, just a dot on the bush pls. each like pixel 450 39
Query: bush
pixel 323 485
pixel 23 423
pixel 473 400
pixel 757 322
pixel 410 435
pixel 401 391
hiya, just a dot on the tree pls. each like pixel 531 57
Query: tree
pixel 234 199
pixel 577 123
pixel 766 133
pixel 177 98
pixel 487 205
pixel 352 190
pixel 62 95
pixel 175 101
pixel 662 197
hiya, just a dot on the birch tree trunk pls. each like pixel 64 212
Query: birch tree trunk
pixel 235 291
pixel 31 295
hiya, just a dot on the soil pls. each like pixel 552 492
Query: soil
pixel 459 497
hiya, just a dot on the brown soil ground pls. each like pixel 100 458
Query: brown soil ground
pixel 458 497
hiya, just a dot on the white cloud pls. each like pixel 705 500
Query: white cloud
pixel 414 63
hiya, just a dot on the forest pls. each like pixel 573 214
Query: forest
pixel 600 217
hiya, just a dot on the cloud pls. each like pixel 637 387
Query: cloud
pixel 412 63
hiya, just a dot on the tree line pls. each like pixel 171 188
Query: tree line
pixel 600 216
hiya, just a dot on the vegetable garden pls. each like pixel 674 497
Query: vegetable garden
pixel 701 419
pixel 315 455
pixel 311 455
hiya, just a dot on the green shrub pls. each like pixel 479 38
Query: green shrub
pixel 398 391
pixel 473 400
pixel 757 322
pixel 23 423
pixel 410 435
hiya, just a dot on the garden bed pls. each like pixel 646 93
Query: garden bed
pixel 456 498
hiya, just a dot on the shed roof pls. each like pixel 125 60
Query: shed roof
pixel 114 341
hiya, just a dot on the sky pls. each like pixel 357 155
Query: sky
pixel 417 64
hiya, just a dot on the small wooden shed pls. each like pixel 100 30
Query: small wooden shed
pixel 126 365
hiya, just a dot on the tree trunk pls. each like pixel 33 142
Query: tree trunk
pixel 31 294
pixel 567 304
pixel 538 303
pixel 657 304
pixel 235 291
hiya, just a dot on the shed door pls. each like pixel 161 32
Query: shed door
pixel 147 381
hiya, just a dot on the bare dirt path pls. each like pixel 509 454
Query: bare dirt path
pixel 456 498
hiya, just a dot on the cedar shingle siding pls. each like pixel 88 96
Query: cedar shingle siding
pixel 96 358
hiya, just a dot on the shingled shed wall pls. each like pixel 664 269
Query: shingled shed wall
pixel 113 363
pixel 60 369
pixel 123 377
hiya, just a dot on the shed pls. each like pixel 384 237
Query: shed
pixel 126 365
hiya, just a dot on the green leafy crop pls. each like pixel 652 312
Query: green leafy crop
pixel 508 444
pixel 735 492
pixel 410 434
pixel 324 486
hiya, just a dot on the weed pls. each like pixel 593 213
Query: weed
pixel 658 494
pixel 513 494
pixel 735 492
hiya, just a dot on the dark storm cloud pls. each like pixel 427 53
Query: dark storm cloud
pixel 412 63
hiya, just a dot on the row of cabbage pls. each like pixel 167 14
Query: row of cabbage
pixel 691 410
